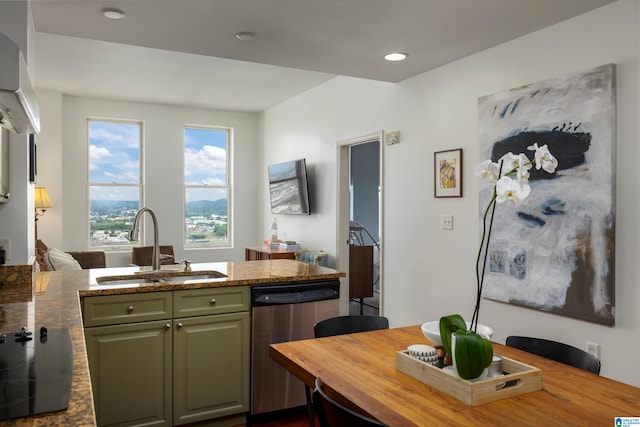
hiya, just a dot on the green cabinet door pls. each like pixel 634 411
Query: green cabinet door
pixel 131 373
pixel 211 367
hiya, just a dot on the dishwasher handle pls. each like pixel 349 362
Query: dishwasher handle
pixel 296 297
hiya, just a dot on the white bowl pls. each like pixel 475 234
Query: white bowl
pixel 431 331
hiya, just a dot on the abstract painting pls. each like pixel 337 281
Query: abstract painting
pixel 555 251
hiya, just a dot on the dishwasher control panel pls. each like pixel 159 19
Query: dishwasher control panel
pixel 295 293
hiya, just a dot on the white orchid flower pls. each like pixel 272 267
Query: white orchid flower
pixel 544 158
pixel 513 185
pixel 510 162
pixel 488 170
pixel 524 164
pixel 516 165
pixel 510 189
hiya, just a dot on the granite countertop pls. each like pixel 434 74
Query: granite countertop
pixel 56 304
pixel 233 274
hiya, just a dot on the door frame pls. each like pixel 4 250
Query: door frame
pixel 342 213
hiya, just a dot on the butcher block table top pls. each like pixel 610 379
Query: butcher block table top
pixel 362 368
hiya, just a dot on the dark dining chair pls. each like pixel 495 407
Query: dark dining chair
pixel 349 324
pixel 557 351
pixel 333 414
pixel 344 325
pixel 141 255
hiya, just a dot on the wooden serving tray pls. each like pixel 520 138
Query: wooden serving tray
pixel 519 379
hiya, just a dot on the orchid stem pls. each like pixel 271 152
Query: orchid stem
pixel 480 276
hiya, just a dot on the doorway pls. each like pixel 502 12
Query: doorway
pixel 360 167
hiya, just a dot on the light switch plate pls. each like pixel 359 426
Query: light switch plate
pixel 447 222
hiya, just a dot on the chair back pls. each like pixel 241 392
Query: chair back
pixel 349 324
pixel 141 255
pixel 312 257
pixel 90 259
pixel 557 351
pixel 332 414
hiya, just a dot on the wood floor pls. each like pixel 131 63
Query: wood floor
pixel 293 421
pixel 356 308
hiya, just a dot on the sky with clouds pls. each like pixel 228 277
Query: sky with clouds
pixel 114 158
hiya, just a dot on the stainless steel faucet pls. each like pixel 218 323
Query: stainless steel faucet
pixel 135 231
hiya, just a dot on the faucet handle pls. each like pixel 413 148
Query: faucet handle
pixel 187 265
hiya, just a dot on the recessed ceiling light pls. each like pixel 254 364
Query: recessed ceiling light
pixel 113 13
pixel 395 56
pixel 245 35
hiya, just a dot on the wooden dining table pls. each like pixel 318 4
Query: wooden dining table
pixel 361 368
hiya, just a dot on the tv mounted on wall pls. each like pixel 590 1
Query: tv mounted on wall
pixel 288 188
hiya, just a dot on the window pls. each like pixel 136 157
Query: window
pixel 115 183
pixel 206 187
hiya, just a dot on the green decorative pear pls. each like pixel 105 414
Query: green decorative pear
pixel 473 354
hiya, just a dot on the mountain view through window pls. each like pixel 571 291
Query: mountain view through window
pixel 114 180
pixel 206 179
pixel 116 185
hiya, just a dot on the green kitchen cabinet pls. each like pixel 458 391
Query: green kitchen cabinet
pixel 211 354
pixel 211 367
pixel 187 361
pixel 131 373
pixel 129 346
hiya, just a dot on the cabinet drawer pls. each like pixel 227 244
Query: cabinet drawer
pixel 118 309
pixel 201 302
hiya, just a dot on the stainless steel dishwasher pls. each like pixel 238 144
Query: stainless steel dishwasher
pixel 282 313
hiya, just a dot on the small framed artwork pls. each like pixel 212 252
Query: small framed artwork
pixel 448 173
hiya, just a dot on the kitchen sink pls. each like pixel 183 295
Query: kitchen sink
pixel 199 276
pixel 108 281
pixel 169 276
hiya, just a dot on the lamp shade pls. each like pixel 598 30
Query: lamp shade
pixel 41 198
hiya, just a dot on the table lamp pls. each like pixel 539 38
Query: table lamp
pixel 42 202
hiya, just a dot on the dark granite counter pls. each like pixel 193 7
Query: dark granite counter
pixel 56 304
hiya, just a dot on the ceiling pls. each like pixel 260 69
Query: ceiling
pixel 185 52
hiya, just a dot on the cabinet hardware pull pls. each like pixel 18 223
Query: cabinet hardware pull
pixel 167 326
pixel 180 325
pixel 130 309
pixel 213 301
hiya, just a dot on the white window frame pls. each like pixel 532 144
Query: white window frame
pixel 228 243
pixel 139 185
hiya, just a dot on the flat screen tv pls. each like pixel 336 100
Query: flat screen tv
pixel 288 188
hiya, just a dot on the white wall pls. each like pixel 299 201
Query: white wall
pixel 63 170
pixel 16 215
pixel 429 272
pixel 308 126
pixel 49 142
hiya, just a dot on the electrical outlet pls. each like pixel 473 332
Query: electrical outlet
pixel 593 349
pixel 447 222
pixel 5 242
